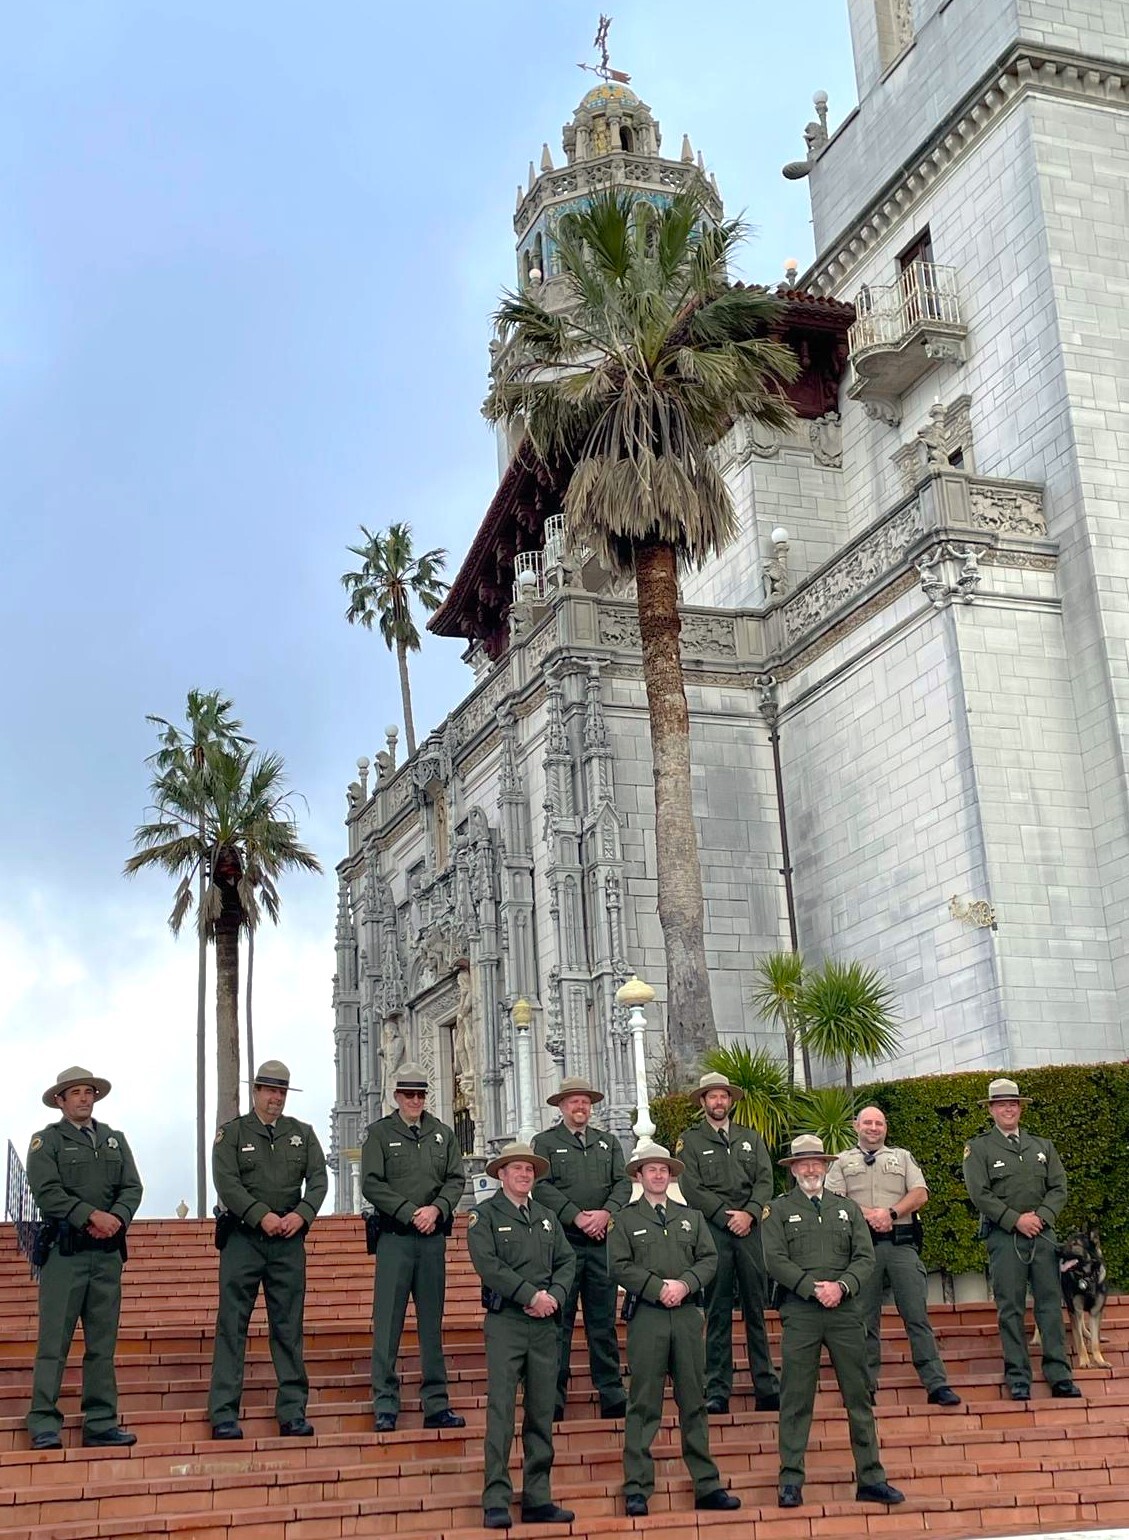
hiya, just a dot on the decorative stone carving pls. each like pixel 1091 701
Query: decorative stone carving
pixel 465 1045
pixel 710 634
pixel 619 628
pixel 862 565
pixel 1007 511
pixel 826 437
pixel 932 571
pixel 889 412
pixel 760 440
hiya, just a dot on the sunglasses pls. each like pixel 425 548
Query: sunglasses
pixel 415 1096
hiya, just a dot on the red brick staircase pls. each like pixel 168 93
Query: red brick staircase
pixel 989 1467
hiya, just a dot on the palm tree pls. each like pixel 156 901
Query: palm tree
pixel 634 382
pixel 775 996
pixel 207 720
pixel 845 1013
pixel 230 819
pixel 390 577
pixel 829 1111
pixel 768 1102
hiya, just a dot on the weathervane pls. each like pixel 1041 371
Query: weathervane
pixel 604 69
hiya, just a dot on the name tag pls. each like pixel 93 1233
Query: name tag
pixel 505 1229
pixel 394 1144
pixel 638 1232
pixel 795 1219
pixel 246 1149
pixel 709 1152
pixel 998 1165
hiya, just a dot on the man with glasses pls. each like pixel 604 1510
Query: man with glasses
pixel 412 1174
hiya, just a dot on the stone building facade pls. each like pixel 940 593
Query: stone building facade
pixel 922 624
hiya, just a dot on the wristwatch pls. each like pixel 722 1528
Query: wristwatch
pixel 895 1217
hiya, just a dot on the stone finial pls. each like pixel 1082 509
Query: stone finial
pixel 531 179
pixel 182 1210
pixel 546 158
pixel 687 150
pixel 701 163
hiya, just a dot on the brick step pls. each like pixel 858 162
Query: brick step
pixel 231 1513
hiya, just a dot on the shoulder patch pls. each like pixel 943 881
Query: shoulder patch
pixel 678 1146
pixel 611 1224
pixel 967 1152
pixel 219 1136
pixel 766 1211
pixel 37 1143
pixel 473 1220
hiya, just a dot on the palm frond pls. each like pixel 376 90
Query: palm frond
pixel 768 1104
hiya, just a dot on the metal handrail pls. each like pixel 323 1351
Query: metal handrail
pixel 926 292
pixel 20 1207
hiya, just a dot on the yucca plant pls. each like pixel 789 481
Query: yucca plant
pixel 769 1102
pixel 828 1111
pixel 845 1014
pixel 775 996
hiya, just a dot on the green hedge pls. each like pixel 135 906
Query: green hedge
pixel 1084 1108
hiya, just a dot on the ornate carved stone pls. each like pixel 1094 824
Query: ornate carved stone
pixel 862 565
pixel 1007 511
pixel 826 437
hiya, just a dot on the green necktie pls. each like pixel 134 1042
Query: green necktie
pixel 814 1203
pixel 660 1210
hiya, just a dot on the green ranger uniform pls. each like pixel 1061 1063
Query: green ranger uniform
pixel 516 1255
pixel 881 1182
pixel 808 1242
pixel 71 1175
pixel 587 1171
pixel 1006 1179
pixel 403 1169
pixel 731 1171
pixel 259 1170
pixel 642 1253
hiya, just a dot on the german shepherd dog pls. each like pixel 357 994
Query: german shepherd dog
pixel 1083 1279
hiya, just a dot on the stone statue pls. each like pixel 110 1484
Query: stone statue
pixel 393 1050
pixel 465 1048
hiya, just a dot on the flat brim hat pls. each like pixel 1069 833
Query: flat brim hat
pixel 577 1086
pixel 806 1147
pixel 716 1082
pixel 76 1075
pixel 642 1153
pixel 1003 1090
pixel 410 1077
pixel 274 1073
pixel 514 1152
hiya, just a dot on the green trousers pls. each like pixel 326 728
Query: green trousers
pixel 902 1268
pixel 85 1287
pixel 1016 1262
pixel 807 1326
pixel 595 1288
pixel 278 1263
pixel 409 1267
pixel 662 1342
pixel 740 1265
pixel 519 1351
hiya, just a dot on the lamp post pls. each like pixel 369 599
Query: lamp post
pixel 521 1014
pixel 634 995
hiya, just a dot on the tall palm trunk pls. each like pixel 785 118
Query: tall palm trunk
pixel 690 1024
pixel 201 1062
pixel 227 1004
pixel 250 1029
pixel 406 697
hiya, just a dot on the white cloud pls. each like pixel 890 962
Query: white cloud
pixel 113 991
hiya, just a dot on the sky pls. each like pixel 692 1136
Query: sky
pixel 248 257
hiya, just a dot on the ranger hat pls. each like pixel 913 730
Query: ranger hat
pixel 410 1077
pixel 518 1151
pixel 715 1082
pixel 576 1086
pixel 1003 1090
pixel 806 1147
pixel 649 1150
pixel 273 1072
pixel 76 1075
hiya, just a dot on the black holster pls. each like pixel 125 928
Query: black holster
pixel 493 1300
pixel 43 1238
pixel 630 1305
pixel 374 1223
pixel 226 1226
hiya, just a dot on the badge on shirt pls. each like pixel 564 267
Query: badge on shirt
pixel 111 1143
pixel 745 1145
pixel 295 1139
pixel 438 1138
pixel 546 1224
pixel 686 1225
pixel 1041 1157
pixel 603 1144
pixel 219 1136
pixel 844 1215
pixel 766 1211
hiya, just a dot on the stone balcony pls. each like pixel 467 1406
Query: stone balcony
pixel 901 331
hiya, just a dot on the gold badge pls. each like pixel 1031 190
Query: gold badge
pixel 219 1135
pixel 36 1143
pixel 611 1224
pixel 473 1220
pixel 678 1146
pixel 766 1211
pixel 967 1151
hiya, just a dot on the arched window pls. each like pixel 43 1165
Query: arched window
pixel 627 140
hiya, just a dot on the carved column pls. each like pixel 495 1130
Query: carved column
pixel 602 855
pixel 568 1038
pixel 346 1128
pixel 515 910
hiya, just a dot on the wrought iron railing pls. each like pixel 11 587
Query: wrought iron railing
pixel 20 1207
pixel 926 292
